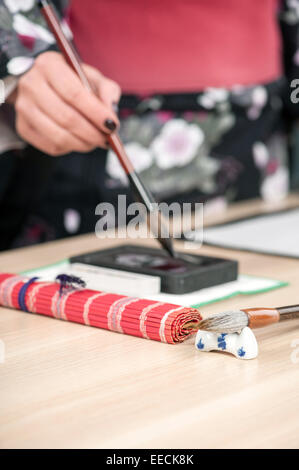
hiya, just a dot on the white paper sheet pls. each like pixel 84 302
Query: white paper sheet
pixel 106 279
pixel 273 234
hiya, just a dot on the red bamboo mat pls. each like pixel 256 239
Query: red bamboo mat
pixel 129 315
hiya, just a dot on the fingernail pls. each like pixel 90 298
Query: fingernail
pixel 110 124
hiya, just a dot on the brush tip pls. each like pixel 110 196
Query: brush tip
pixel 168 246
pixel 225 322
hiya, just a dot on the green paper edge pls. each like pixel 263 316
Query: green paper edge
pixel 42 268
pixel 278 285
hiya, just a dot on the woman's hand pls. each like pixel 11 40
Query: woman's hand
pixel 57 114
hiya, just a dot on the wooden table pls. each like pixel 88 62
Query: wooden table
pixel 66 385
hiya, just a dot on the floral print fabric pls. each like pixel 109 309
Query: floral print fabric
pixel 23 35
pixel 214 145
pixel 196 147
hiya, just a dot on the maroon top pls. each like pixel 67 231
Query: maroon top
pixel 179 45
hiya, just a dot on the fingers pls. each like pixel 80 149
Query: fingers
pixel 57 114
pixel 42 132
pixel 107 90
pixel 32 136
pixel 62 114
pixel 68 86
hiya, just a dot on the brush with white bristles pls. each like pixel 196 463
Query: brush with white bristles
pixel 235 320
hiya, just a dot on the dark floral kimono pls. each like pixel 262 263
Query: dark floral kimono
pixel 216 145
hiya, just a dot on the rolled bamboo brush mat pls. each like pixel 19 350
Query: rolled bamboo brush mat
pixel 144 318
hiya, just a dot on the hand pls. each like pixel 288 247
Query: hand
pixel 57 114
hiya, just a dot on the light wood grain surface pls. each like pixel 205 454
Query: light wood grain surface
pixel 67 385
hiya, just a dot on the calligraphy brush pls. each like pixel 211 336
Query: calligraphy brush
pixel 140 191
pixel 235 320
